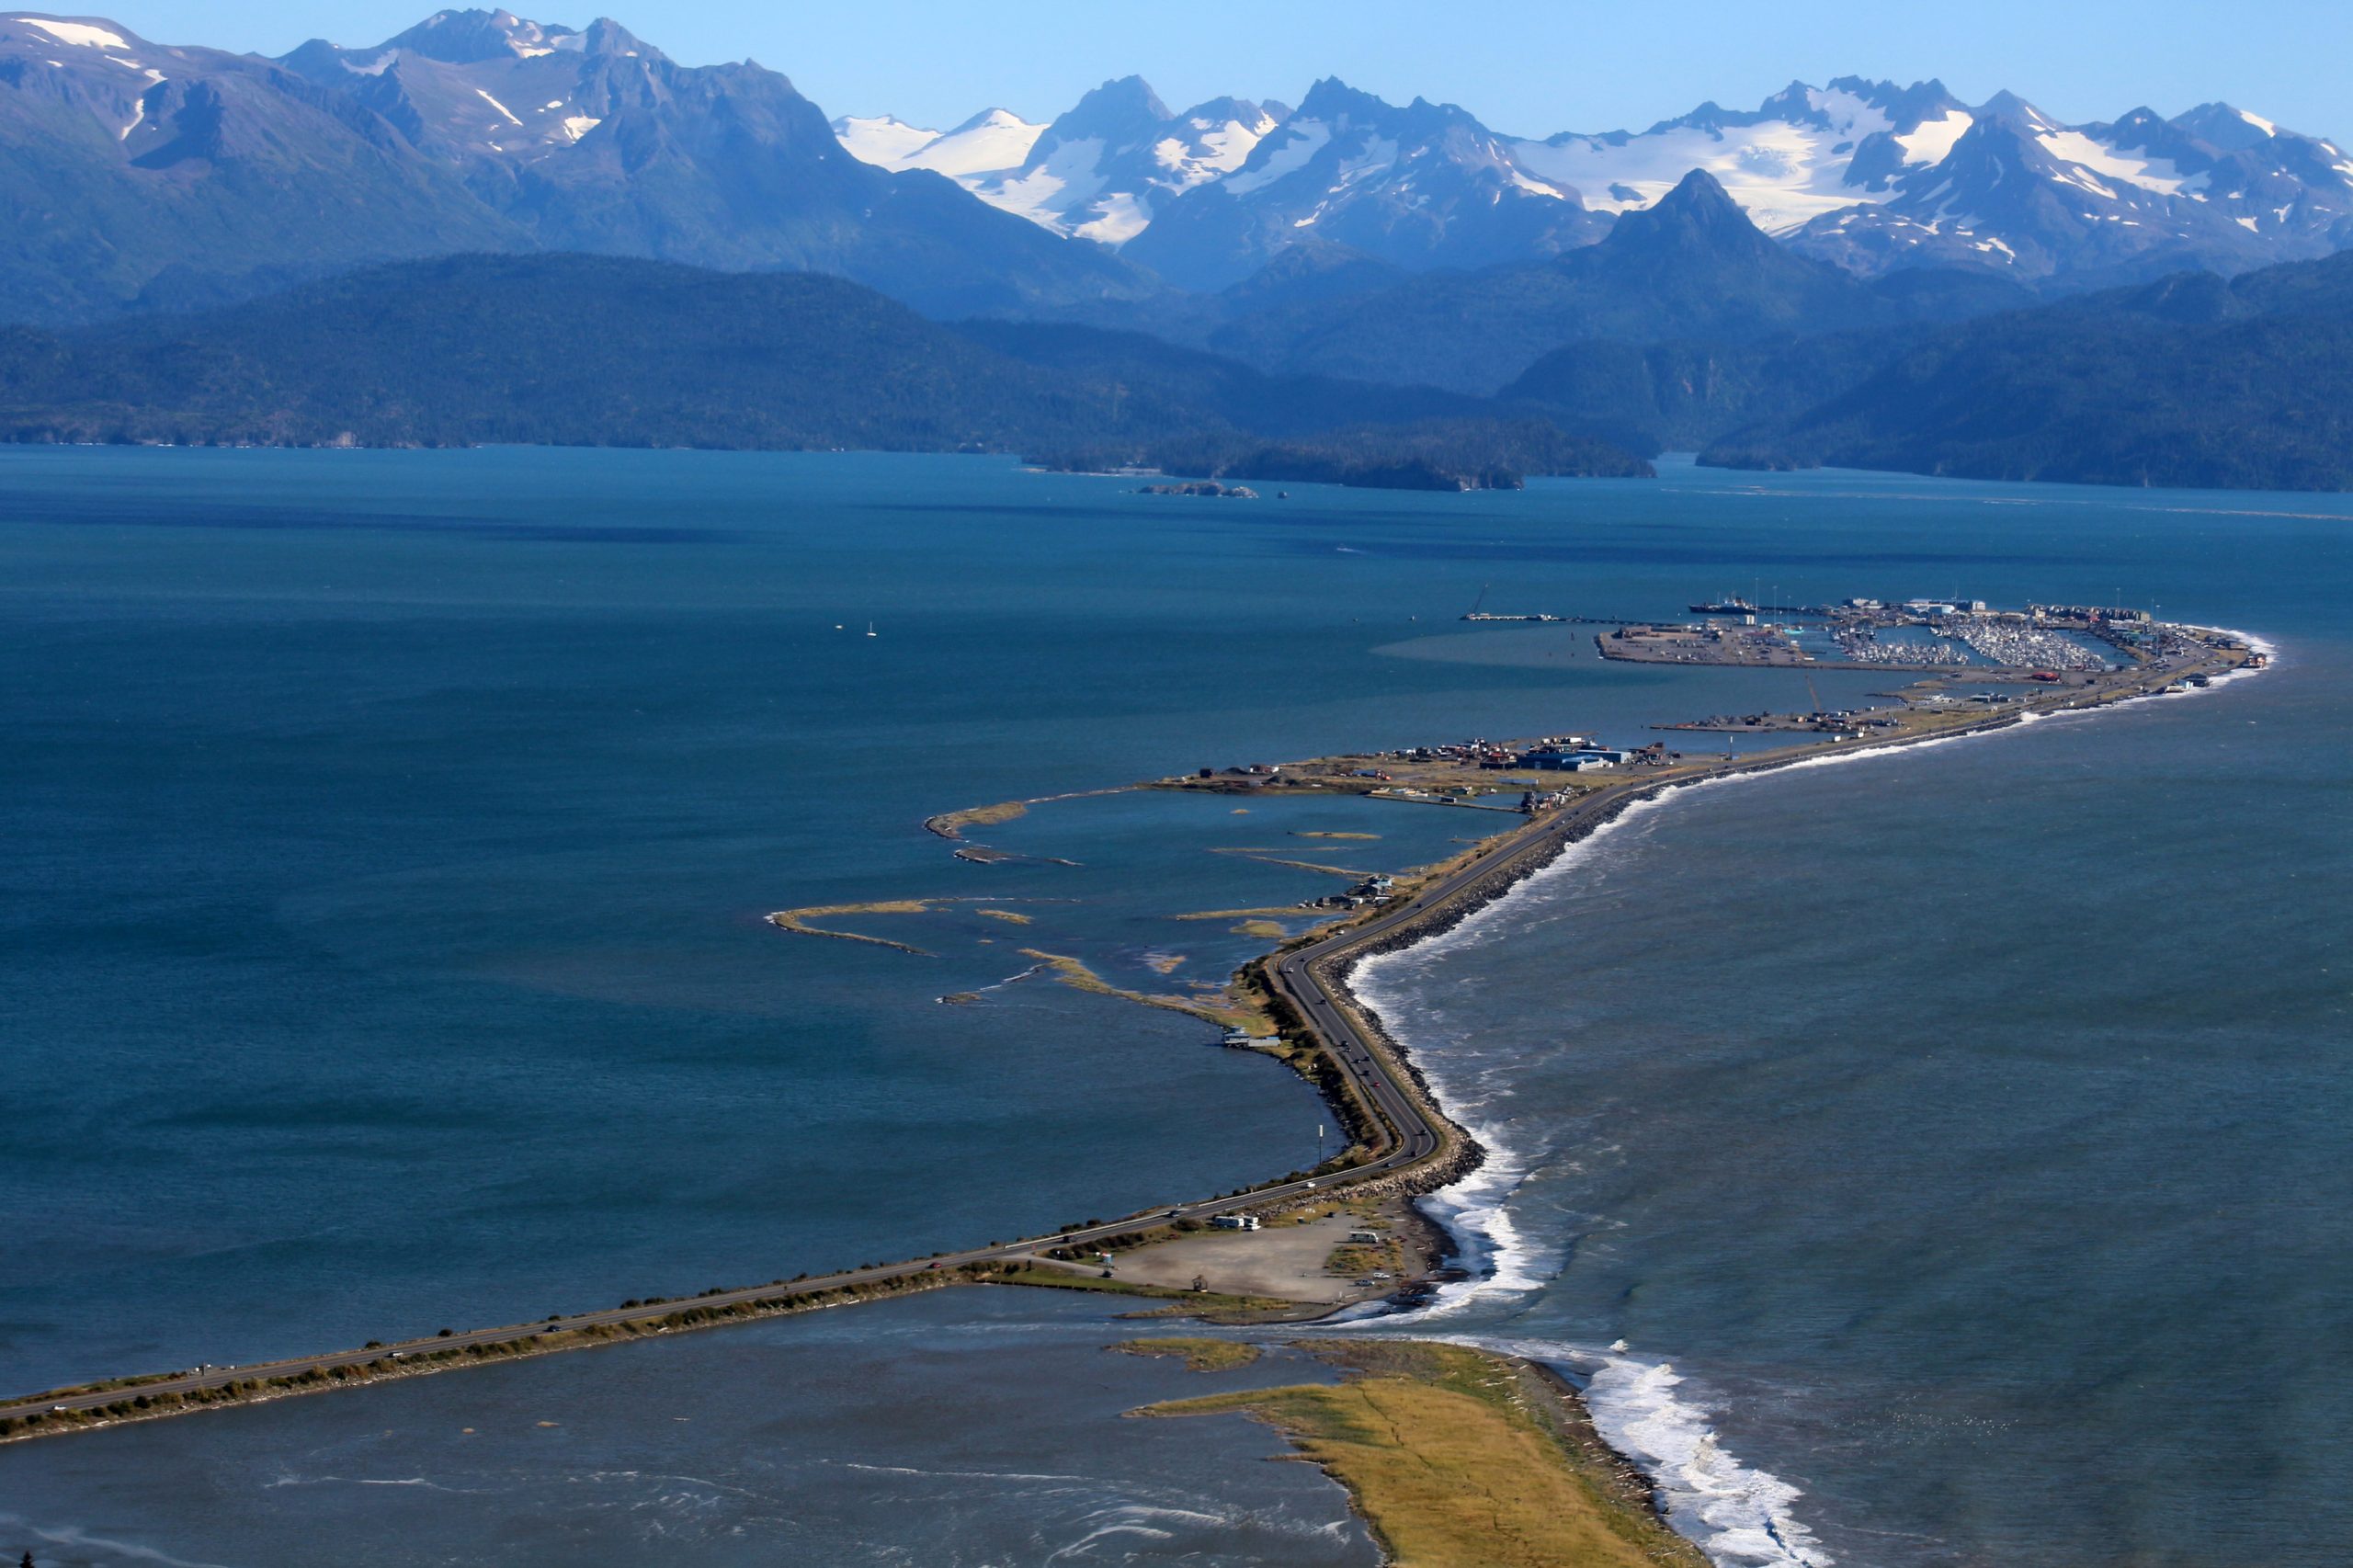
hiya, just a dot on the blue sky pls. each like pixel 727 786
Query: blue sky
pixel 1526 66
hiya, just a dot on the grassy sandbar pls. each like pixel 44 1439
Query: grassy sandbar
pixel 1461 1458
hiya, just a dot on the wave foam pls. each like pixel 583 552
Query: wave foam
pixel 1740 1517
pixel 1476 1212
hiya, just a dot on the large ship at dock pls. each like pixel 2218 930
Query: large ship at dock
pixel 1724 606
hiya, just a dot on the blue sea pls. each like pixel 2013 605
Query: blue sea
pixel 1954 1141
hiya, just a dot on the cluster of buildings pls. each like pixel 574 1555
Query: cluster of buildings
pixel 1560 753
pixel 2087 615
pixel 1921 607
pixel 1479 752
pixel 1583 757
pixel 1375 889
pixel 1251 776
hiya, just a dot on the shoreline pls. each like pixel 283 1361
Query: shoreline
pixel 1403 1141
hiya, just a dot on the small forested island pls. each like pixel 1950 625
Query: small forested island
pixel 1442 454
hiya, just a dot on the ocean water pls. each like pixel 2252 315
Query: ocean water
pixel 953 1430
pixel 1954 1139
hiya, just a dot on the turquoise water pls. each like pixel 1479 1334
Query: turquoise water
pixel 390 833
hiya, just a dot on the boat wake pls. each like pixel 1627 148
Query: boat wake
pixel 90 1548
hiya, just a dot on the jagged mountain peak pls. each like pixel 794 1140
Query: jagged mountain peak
pixel 2008 107
pixel 1698 214
pixel 1331 99
pixel 1709 116
pixel 1333 102
pixel 2225 128
pixel 1118 107
pixel 1904 106
pixel 1221 110
pixel 606 36
pixel 1851 105
pixel 472 37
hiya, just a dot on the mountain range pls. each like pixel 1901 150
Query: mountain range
pixel 148 175
pixel 1869 174
pixel 487 228
pixel 144 175
pixel 2192 381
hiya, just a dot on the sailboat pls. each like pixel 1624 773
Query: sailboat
pixel 869 628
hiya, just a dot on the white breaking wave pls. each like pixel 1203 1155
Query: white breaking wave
pixel 1738 1515
pixel 1477 1213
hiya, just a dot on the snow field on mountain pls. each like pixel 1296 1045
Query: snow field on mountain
pixel 80 33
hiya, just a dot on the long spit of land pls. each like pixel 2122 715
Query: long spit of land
pixel 1401 1140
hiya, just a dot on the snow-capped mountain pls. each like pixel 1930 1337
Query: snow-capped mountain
pixel 2214 188
pixel 1871 175
pixel 1100 171
pixel 991 140
pixel 1418 187
pixel 1426 185
pixel 1805 152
